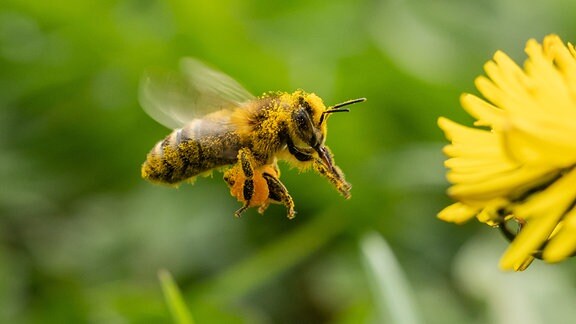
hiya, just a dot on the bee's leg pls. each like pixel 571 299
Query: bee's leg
pixel 242 209
pixel 248 186
pixel 323 165
pixel 332 172
pixel 263 207
pixel 278 192
pixel 267 171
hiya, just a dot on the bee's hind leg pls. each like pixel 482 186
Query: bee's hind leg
pixel 278 192
pixel 246 184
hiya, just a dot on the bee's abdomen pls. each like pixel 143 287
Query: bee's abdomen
pixel 181 155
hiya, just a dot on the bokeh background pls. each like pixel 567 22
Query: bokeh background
pixel 82 236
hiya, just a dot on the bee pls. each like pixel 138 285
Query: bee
pixel 220 126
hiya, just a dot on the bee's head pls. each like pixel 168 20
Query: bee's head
pixel 309 121
pixel 309 118
pixel 307 127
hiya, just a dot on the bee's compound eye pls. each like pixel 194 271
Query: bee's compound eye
pixel 305 127
pixel 302 120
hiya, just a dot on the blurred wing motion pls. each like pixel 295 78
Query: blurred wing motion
pixel 174 100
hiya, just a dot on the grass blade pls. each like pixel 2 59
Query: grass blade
pixel 174 299
pixel 392 293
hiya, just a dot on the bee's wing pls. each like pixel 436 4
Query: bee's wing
pixel 174 99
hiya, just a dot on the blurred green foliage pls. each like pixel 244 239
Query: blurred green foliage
pixel 82 236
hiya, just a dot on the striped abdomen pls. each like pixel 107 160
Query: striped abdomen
pixel 199 147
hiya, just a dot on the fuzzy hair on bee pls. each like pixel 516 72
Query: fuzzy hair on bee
pixel 218 125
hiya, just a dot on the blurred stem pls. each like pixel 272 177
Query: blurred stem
pixel 274 258
pixel 392 293
pixel 174 299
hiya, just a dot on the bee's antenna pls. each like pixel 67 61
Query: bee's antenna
pixel 346 103
pixel 337 107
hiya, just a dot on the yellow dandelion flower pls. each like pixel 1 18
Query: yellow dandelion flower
pixel 518 164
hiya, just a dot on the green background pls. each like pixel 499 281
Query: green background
pixel 82 236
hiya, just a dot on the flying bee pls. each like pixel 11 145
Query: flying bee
pixel 220 125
